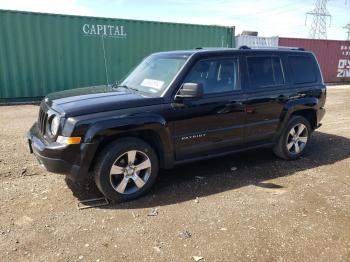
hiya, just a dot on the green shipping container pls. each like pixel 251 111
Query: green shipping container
pixel 43 53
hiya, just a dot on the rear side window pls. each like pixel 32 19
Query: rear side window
pixel 303 69
pixel 265 71
pixel 278 72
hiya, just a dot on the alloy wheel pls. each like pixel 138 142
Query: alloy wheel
pixel 130 172
pixel 297 138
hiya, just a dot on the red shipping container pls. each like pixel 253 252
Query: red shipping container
pixel 332 55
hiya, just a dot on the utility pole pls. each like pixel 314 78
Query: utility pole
pixel 348 32
pixel 320 14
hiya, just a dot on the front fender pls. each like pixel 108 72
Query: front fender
pixel 113 126
pixel 129 125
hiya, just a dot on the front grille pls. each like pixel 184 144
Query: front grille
pixel 42 120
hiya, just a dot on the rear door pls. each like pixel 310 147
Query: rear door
pixel 267 89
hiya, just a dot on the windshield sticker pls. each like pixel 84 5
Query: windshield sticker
pixel 156 84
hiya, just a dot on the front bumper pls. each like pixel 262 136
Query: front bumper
pixel 71 160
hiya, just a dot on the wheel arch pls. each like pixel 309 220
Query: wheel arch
pixel 306 107
pixel 150 135
pixel 309 114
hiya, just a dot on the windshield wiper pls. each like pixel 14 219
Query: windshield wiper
pixel 115 86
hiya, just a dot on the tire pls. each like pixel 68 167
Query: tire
pixel 128 179
pixel 291 147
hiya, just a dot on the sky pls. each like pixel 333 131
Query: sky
pixel 270 18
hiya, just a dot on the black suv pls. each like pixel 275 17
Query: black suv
pixel 177 107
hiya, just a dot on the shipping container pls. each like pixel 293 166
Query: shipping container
pixel 42 53
pixel 256 41
pixel 332 55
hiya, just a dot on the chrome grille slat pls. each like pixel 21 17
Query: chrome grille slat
pixel 44 123
pixel 42 120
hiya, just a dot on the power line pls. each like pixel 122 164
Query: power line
pixel 348 32
pixel 280 9
pixel 318 29
pixel 276 11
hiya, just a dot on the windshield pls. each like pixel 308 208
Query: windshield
pixel 154 74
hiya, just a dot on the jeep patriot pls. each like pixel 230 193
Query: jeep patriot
pixel 177 107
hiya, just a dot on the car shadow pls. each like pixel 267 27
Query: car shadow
pixel 204 178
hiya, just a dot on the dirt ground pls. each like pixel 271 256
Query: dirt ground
pixel 245 207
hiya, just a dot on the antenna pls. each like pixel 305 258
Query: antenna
pixel 320 14
pixel 105 59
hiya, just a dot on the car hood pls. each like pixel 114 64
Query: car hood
pixel 94 99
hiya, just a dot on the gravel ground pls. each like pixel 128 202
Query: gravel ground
pixel 245 207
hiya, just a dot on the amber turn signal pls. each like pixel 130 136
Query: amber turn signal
pixel 68 140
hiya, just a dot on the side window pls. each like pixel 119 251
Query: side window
pixel 265 71
pixel 277 70
pixel 216 75
pixel 303 69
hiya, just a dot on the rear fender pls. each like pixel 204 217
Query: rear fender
pixel 293 106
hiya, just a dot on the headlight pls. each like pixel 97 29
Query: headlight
pixel 55 122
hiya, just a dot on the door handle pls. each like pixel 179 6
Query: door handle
pixel 232 106
pixel 282 98
pixel 234 103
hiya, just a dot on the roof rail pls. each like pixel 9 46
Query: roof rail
pixel 272 47
pixel 291 48
pixel 210 47
pixel 244 47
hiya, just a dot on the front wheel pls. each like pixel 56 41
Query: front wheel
pixel 294 139
pixel 126 169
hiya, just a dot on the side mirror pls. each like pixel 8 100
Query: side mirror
pixel 190 90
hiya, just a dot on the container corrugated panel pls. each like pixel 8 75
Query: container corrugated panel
pixel 332 55
pixel 256 41
pixel 43 53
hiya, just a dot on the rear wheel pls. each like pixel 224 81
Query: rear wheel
pixel 294 139
pixel 126 169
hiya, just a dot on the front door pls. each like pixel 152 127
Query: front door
pixel 213 123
